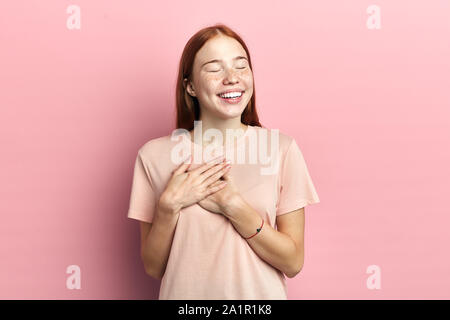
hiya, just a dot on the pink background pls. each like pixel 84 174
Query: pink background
pixel 368 108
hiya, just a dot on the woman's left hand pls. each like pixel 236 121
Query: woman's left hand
pixel 220 201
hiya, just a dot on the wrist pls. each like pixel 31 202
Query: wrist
pixel 234 206
pixel 167 207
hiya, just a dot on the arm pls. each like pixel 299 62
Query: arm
pixel 283 249
pixel 183 189
pixel 156 241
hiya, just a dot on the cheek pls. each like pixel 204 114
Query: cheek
pixel 247 77
pixel 212 78
pixel 247 72
pixel 208 84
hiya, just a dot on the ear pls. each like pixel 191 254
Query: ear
pixel 189 87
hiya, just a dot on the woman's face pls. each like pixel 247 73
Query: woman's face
pixel 221 65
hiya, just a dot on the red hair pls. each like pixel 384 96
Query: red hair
pixel 188 108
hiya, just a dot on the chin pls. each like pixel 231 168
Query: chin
pixel 232 112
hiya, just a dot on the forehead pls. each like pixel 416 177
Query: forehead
pixel 220 47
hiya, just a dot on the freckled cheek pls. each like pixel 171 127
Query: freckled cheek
pixel 210 78
pixel 214 80
pixel 208 84
pixel 247 78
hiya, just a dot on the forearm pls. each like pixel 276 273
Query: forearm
pixel 158 243
pixel 274 247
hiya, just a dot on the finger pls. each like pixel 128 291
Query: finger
pixel 183 166
pixel 217 175
pixel 216 186
pixel 218 183
pixel 212 171
pixel 207 165
pixel 227 176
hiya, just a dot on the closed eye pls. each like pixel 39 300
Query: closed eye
pixel 219 70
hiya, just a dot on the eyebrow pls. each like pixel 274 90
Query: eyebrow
pixel 217 60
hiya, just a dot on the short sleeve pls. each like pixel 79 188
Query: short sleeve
pixel 296 187
pixel 142 199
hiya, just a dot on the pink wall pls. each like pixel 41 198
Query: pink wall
pixel 368 107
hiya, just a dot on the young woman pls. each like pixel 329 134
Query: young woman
pixel 215 230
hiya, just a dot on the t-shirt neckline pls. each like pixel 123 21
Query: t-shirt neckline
pixel 238 141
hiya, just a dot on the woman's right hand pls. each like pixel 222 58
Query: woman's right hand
pixel 188 187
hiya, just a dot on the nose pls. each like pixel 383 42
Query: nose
pixel 231 75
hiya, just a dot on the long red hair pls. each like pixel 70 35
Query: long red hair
pixel 188 108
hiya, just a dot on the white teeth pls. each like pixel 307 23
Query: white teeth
pixel 231 95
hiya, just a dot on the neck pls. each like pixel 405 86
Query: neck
pixel 201 126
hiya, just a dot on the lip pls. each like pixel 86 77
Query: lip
pixel 231 90
pixel 232 100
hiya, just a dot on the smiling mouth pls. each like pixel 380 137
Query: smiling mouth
pixel 231 99
pixel 233 95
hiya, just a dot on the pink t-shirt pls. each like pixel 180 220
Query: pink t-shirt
pixel 209 259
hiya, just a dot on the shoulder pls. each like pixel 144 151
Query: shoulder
pixel 155 149
pixel 284 140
